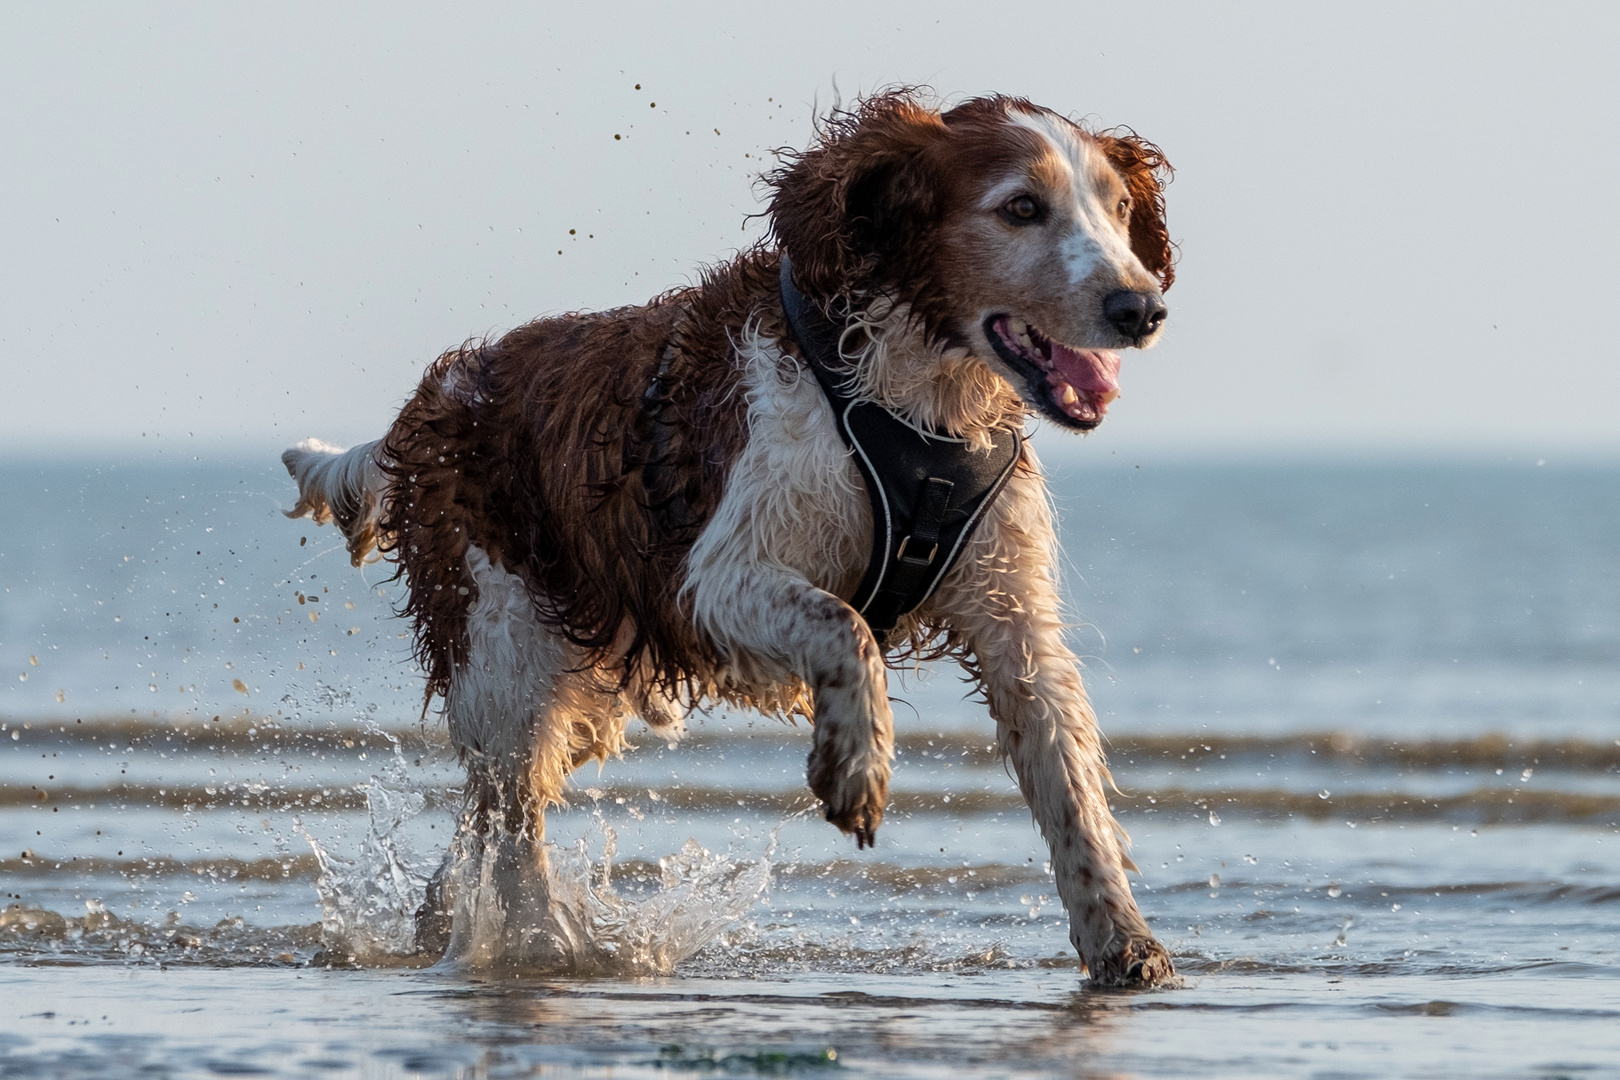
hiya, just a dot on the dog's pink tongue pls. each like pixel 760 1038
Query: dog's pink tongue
pixel 1094 373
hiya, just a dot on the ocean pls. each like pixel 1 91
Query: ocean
pixel 1363 718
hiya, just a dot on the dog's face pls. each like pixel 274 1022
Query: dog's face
pixel 1007 229
pixel 1037 243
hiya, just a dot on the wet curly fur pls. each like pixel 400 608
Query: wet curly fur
pixel 638 511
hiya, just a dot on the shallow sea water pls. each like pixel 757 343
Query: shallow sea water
pixel 1365 724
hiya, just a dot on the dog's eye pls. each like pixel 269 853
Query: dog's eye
pixel 1123 209
pixel 1021 210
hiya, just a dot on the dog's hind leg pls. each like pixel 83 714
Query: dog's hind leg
pixel 511 713
pixel 1002 599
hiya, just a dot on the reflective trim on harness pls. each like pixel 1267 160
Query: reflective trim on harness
pixel 928 490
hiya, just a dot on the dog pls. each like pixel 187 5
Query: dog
pixel 640 511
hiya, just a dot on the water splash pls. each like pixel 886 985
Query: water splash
pixel 700 895
pixel 369 903
pixel 522 908
pixel 570 917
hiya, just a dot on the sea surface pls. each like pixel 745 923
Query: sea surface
pixel 1364 720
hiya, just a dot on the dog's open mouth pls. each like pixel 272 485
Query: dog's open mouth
pixel 1072 386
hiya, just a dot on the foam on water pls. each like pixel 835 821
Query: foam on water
pixel 37 935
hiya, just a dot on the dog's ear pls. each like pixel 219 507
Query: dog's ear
pixel 856 204
pixel 1145 171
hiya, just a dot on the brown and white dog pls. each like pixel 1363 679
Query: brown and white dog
pixel 633 512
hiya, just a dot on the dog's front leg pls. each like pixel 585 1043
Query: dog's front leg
pixel 1003 602
pixel 772 624
pixel 1046 727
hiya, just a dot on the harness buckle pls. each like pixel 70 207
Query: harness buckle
pixel 900 555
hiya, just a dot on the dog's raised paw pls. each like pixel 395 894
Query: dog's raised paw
pixel 853 795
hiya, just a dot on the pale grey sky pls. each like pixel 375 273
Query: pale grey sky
pixel 226 227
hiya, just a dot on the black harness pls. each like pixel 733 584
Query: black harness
pixel 928 490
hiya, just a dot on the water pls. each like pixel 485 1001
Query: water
pixel 1365 722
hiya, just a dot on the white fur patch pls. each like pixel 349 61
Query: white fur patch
pixel 496 697
pixel 1095 243
pixel 794 502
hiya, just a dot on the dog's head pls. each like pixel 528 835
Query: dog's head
pixel 1005 228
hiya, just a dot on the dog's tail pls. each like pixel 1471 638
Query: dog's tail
pixel 346 486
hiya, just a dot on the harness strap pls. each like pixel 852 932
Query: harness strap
pixel 928 489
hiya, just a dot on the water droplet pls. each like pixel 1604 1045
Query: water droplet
pixel 1324 793
pixel 1334 891
pixel 1214 818
pixel 1214 881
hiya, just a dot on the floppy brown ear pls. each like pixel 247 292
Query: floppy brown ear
pixel 1145 171
pixel 860 201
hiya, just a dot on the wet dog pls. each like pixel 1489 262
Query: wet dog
pixel 634 512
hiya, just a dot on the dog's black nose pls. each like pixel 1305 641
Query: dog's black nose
pixel 1134 314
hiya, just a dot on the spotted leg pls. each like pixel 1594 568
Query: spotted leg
pixel 773 624
pixel 1003 600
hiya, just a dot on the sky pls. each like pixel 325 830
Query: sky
pixel 229 227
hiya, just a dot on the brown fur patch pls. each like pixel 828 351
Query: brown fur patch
pixel 1145 171
pixel 585 453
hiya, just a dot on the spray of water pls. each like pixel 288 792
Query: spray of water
pixel 700 895
pixel 369 903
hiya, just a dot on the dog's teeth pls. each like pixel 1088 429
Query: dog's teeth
pixel 1068 397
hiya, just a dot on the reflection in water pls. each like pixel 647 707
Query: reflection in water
pixel 672 1022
